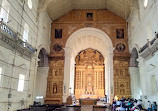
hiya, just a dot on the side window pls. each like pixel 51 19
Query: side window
pixel 29 2
pixel 145 3
pixel 26 33
pixel 5 10
pixel 21 83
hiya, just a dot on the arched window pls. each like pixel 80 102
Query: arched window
pixel 21 83
pixel 26 33
pixel 145 3
pixel 29 2
pixel 5 10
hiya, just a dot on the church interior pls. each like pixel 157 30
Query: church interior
pixel 67 54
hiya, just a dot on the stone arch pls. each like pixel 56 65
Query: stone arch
pixel 83 39
pixel 43 58
pixel 41 75
pixel 135 74
pixel 133 58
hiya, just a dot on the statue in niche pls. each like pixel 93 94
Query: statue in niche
pixel 56 72
pixel 55 88
pixel 121 73
pixel 122 91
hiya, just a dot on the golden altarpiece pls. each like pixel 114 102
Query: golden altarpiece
pixel 89 74
pixel 121 77
pixel 55 80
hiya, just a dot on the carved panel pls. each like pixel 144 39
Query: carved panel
pixel 55 82
pixel 121 77
pixel 107 22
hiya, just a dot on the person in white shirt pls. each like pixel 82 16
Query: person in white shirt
pixel 149 106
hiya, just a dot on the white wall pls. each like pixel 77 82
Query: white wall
pixel 13 64
pixel 143 24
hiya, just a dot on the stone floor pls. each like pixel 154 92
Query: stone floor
pixel 99 107
pixel 79 109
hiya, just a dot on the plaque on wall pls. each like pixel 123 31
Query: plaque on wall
pixel 58 33
pixel 119 33
pixel 120 47
pixel 89 16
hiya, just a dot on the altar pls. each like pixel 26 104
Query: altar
pixel 88 101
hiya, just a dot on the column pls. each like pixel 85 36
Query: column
pixel 67 70
pixel 135 82
pixel 41 82
pixel 109 77
pixel 111 74
pixel 142 72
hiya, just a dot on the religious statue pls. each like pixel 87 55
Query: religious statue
pixel 55 88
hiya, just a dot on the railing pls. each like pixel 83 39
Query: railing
pixel 149 48
pixel 8 30
pixel 149 43
pixel 5 29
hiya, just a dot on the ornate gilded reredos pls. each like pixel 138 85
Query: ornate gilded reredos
pixel 114 26
pixel 89 67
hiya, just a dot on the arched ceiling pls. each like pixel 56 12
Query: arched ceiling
pixel 58 8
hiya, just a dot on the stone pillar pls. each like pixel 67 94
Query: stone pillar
pixel 67 71
pixel 135 82
pixel 72 75
pixel 109 77
pixel 41 82
pixel 142 72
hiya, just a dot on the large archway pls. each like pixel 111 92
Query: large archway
pixel 83 39
pixel 41 76
pixel 135 75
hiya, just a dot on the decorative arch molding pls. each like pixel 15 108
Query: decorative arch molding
pixel 91 38
pixel 83 39
pixel 41 73
pixel 41 51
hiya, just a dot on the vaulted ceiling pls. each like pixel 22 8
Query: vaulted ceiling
pixel 58 8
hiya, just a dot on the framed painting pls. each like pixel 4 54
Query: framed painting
pixel 119 33
pixel 89 16
pixel 58 33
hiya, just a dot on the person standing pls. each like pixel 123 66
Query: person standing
pixel 149 106
pixel 154 106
